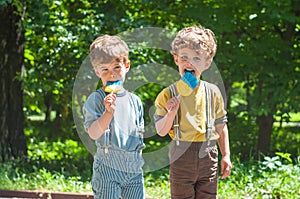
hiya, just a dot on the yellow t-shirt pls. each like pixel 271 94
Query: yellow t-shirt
pixel 192 112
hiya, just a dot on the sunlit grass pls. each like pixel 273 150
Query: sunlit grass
pixel 274 177
pixel 65 165
pixel 295 117
pixel 41 116
pixel 291 117
pixel 41 180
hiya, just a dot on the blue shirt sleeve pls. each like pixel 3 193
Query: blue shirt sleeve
pixel 93 108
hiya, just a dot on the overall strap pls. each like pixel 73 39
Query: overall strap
pixel 176 128
pixel 107 133
pixel 209 116
pixel 107 139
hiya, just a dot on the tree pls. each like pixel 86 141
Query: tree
pixel 58 34
pixel 270 68
pixel 12 137
pixel 258 48
pixel 258 44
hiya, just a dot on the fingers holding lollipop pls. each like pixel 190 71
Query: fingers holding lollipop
pixel 112 87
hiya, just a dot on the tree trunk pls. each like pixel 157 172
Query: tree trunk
pixel 12 137
pixel 48 104
pixel 265 128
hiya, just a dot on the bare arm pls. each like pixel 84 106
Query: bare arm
pixel 164 125
pixel 99 126
pixel 223 142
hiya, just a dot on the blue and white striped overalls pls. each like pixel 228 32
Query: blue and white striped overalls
pixel 117 167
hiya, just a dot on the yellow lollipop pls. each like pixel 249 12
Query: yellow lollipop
pixel 113 87
pixel 186 84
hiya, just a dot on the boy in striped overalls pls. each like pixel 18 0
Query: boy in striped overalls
pixel 200 120
pixel 115 121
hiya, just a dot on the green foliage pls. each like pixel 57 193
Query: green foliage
pixel 243 136
pixel 271 163
pixel 271 178
pixel 57 164
pixel 257 55
pixel 54 165
pixel 59 150
pixel 286 139
pixel 62 154
pixel 14 177
pixel 5 2
pixel 257 47
pixel 157 184
pixel 284 156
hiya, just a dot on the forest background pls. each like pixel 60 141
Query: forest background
pixel 45 45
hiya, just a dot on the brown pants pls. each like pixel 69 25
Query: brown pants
pixel 194 170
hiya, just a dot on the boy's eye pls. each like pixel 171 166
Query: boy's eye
pixel 102 70
pixel 184 58
pixel 197 59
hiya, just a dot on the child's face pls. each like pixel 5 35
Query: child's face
pixel 112 71
pixel 189 60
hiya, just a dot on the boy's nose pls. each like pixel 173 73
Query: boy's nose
pixel 112 73
pixel 190 63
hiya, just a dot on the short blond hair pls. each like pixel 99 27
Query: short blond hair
pixel 106 49
pixel 197 38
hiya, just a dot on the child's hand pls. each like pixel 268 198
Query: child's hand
pixel 173 103
pixel 110 103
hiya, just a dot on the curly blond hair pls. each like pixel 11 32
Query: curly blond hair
pixel 195 37
pixel 106 49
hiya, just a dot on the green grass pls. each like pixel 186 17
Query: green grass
pixel 42 180
pixel 157 184
pixel 274 177
pixel 63 164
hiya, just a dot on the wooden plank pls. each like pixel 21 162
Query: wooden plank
pixel 44 195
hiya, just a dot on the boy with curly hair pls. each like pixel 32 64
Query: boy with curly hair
pixel 195 120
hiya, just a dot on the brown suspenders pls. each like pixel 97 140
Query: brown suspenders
pixel 208 113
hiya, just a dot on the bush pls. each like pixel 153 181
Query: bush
pixel 274 177
pixel 66 165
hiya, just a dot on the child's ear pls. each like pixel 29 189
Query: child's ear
pixel 207 63
pixel 97 72
pixel 127 66
pixel 175 59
